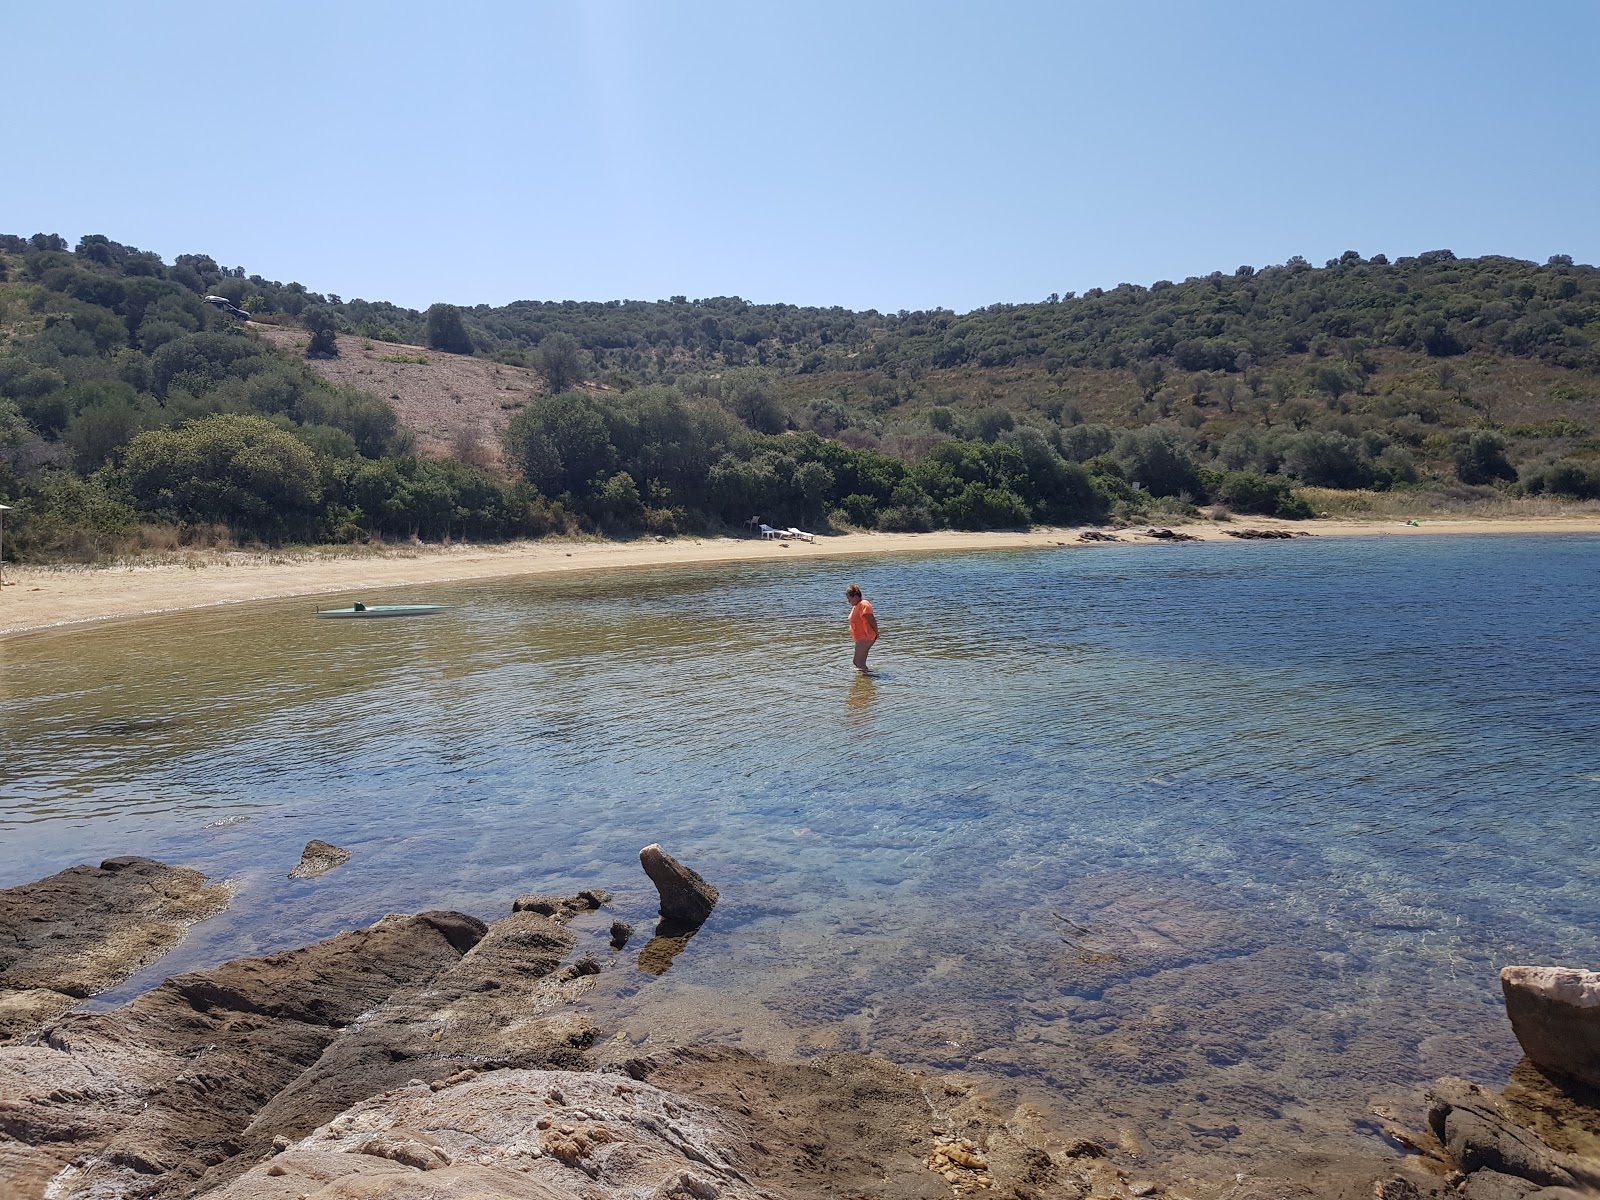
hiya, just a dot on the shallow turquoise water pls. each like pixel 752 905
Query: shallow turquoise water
pixel 1212 842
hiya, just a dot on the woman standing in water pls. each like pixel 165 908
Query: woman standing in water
pixel 863 625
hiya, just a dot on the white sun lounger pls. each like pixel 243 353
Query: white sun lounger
pixel 799 533
pixel 767 531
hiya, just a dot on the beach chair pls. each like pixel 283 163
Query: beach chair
pixel 801 534
pixel 767 531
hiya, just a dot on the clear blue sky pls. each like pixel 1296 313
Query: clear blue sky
pixel 883 155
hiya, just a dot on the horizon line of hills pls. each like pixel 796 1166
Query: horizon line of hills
pixel 1431 302
pixel 126 398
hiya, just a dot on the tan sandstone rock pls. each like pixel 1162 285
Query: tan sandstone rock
pixel 1555 1013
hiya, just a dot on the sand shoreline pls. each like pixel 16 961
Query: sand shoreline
pixel 40 598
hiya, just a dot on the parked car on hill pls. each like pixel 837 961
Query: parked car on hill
pixel 227 306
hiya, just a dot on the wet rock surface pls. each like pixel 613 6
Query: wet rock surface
pixel 686 899
pixel 318 858
pixel 86 929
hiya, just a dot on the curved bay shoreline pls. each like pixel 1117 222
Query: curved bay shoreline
pixel 40 598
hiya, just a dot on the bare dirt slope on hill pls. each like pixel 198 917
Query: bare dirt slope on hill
pixel 456 404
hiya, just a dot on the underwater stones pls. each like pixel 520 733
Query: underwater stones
pixel 318 858
pixel 686 899
pixel 1555 1013
pixel 621 931
pixel 658 953
pixel 561 907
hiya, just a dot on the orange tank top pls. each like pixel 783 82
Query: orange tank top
pixel 861 628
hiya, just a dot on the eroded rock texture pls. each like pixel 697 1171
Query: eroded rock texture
pixel 86 929
pixel 156 1093
pixel 318 858
pixel 683 1125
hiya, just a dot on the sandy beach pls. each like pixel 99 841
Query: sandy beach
pixel 37 597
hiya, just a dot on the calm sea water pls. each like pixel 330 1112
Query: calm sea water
pixel 1202 845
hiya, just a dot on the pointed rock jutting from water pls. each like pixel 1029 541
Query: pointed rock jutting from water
pixel 686 899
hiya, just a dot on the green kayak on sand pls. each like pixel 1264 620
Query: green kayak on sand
pixel 382 610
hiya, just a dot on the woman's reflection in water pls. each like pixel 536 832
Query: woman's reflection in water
pixel 863 695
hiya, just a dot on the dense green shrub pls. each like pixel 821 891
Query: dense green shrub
pixel 60 515
pixel 1564 477
pixel 242 470
pixel 1481 459
pixel 445 330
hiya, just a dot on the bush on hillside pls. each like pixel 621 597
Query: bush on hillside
pixel 445 330
pixel 241 470
pixel 1564 477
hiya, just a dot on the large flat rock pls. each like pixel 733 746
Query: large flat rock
pixel 144 1100
pixel 86 929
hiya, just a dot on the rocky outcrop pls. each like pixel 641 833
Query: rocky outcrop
pixel 686 899
pixel 538 1135
pixel 1555 1013
pixel 690 1124
pixel 147 1098
pixel 1498 1155
pixel 190 1085
pixel 499 1006
pixel 318 858
pixel 86 929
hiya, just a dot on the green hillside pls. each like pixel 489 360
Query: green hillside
pixel 133 410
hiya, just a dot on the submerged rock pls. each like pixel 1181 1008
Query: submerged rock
pixel 86 929
pixel 1555 1013
pixel 318 858
pixel 657 955
pixel 686 899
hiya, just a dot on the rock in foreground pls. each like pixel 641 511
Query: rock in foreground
pixel 686 899
pixel 688 1124
pixel 1555 1013
pixel 145 1100
pixel 86 929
